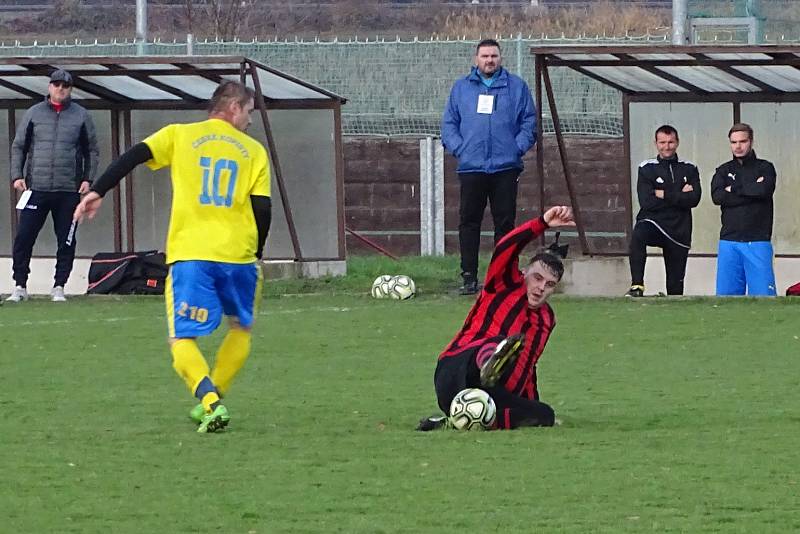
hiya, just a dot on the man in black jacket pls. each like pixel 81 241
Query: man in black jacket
pixel 743 188
pixel 668 188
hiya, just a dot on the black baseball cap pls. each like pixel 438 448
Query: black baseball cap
pixel 61 75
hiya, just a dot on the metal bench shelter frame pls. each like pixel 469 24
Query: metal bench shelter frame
pixel 666 73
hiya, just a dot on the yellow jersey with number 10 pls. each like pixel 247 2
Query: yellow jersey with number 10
pixel 215 169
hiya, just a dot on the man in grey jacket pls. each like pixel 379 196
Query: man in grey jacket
pixel 54 156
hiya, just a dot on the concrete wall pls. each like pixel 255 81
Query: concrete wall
pixel 611 277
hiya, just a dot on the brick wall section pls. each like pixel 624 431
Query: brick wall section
pixel 382 192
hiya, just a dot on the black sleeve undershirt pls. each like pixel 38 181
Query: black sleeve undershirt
pixel 262 210
pixel 121 167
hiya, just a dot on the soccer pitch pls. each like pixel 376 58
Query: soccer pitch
pixel 677 416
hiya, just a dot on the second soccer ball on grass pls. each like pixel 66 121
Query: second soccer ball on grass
pixel 402 287
pixel 472 409
pixel 398 287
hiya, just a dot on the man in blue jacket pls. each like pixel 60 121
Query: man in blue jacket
pixel 489 123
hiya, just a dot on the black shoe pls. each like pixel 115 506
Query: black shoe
pixel 635 292
pixel 470 286
pixel 503 358
pixel 434 422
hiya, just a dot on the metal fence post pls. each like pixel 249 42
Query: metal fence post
pixel 438 198
pixel 431 197
pixel 426 237
pixel 141 27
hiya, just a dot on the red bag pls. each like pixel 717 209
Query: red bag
pixel 793 291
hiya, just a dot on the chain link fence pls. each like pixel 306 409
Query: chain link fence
pixel 394 88
pixel 776 21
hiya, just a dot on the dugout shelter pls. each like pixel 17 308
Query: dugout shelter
pixel 131 97
pixel 702 91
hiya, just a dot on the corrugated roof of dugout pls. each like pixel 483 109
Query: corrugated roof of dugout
pixel 719 73
pixel 154 82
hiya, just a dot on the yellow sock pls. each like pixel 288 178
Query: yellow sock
pixel 209 399
pixel 190 365
pixel 231 356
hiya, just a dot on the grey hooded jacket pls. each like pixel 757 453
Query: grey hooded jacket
pixel 55 151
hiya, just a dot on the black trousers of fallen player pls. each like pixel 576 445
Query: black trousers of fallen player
pixel 458 372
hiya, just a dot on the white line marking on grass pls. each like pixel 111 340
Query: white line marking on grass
pixel 293 311
pixel 335 309
pixel 69 321
pixel 52 322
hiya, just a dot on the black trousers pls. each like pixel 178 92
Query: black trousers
pixel 500 189
pixel 647 234
pixel 61 205
pixel 455 373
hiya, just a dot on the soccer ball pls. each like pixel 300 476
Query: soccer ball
pixel 402 287
pixel 472 409
pixel 381 286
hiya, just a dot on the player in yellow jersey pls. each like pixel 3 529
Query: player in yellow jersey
pixel 220 218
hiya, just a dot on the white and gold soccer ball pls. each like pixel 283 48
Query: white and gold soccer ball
pixel 472 409
pixel 402 287
pixel 381 286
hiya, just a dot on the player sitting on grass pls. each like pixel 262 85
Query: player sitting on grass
pixel 218 225
pixel 506 331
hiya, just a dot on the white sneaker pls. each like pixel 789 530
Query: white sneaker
pixel 57 294
pixel 19 294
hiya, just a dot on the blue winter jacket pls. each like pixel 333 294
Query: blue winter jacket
pixel 489 142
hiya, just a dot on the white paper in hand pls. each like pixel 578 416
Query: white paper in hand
pixel 23 199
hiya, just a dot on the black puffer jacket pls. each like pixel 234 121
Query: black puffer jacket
pixel 55 151
pixel 747 207
pixel 673 213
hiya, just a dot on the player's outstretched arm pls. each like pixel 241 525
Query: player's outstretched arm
pixel 87 207
pixel 559 216
pixel 113 175
pixel 504 264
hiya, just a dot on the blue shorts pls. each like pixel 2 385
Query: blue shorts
pixel 198 293
pixel 745 267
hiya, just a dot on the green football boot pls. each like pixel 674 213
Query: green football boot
pixel 503 359
pixel 196 414
pixel 214 421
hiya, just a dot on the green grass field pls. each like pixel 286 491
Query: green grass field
pixel 677 416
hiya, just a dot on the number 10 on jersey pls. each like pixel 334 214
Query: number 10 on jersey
pixel 212 176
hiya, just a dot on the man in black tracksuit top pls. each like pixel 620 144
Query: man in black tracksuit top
pixel 743 187
pixel 668 189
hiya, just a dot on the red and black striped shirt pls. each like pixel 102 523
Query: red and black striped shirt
pixel 502 310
